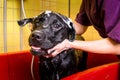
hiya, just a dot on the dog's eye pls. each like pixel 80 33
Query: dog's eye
pixel 55 21
pixel 57 25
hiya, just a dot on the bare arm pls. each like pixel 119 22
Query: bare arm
pixel 106 45
pixel 103 46
pixel 80 29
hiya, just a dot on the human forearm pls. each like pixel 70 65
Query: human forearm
pixel 103 46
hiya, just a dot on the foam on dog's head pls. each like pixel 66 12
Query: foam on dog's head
pixel 48 12
pixel 65 19
pixel 68 21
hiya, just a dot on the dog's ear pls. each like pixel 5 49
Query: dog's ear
pixel 71 32
pixel 70 26
pixel 69 23
pixel 23 22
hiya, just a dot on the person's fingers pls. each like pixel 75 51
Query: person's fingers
pixel 51 51
pixel 58 48
pixel 52 54
pixel 47 56
pixel 56 52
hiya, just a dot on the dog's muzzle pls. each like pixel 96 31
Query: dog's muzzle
pixel 37 36
pixel 35 41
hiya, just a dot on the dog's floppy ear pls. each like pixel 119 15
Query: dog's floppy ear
pixel 71 32
pixel 23 22
pixel 69 23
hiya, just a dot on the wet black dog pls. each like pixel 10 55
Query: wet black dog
pixel 49 29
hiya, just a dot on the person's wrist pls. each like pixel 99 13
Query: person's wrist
pixel 68 46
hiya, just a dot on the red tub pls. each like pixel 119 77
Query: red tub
pixel 16 66
pixel 105 72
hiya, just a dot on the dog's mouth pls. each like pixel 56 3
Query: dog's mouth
pixel 38 51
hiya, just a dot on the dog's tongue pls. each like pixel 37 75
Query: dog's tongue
pixel 36 48
pixel 39 49
pixel 44 52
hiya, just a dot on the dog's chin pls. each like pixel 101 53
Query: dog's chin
pixel 37 51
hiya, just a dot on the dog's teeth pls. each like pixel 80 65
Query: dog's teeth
pixel 36 47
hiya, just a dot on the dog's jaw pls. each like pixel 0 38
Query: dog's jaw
pixel 37 51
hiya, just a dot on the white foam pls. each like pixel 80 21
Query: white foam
pixel 48 12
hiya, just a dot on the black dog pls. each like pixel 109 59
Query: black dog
pixel 49 29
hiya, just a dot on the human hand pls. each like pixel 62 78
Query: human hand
pixel 58 48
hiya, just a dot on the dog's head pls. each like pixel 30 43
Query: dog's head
pixel 48 29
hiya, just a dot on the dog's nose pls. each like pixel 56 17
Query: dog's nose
pixel 38 36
